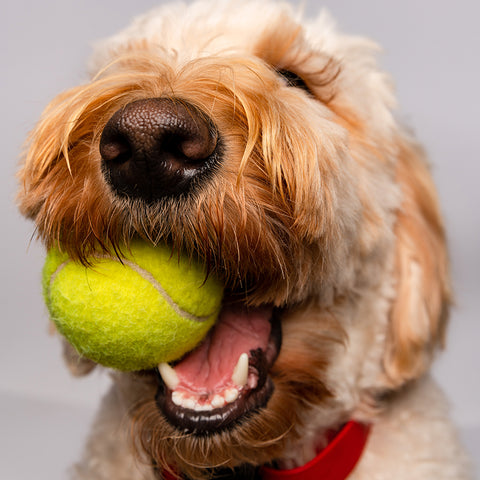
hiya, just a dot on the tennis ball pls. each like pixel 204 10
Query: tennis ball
pixel 131 314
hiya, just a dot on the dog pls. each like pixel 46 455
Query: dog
pixel 268 147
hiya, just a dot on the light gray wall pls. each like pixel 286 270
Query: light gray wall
pixel 431 48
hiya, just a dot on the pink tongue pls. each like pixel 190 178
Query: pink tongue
pixel 209 367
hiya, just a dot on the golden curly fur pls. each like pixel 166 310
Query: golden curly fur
pixel 323 206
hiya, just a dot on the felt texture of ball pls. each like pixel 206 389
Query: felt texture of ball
pixel 131 314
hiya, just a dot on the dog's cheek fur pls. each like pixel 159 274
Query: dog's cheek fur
pixel 62 187
pixel 401 221
pixel 397 321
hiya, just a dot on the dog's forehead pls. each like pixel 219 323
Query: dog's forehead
pixel 202 28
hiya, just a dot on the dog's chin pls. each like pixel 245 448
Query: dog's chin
pixel 226 379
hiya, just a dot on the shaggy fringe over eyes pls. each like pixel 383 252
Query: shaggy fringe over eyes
pixel 273 195
pixel 286 49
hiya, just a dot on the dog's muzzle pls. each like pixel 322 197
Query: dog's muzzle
pixel 158 147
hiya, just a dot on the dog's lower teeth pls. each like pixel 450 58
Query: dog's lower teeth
pixel 218 401
pixel 199 403
pixel 205 402
pixel 231 395
pixel 203 408
pixel 189 403
pixel 177 398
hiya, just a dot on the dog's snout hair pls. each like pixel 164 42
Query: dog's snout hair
pixel 271 136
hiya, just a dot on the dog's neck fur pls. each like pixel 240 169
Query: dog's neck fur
pixel 243 472
pixel 334 462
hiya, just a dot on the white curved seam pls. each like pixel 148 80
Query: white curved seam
pixel 146 275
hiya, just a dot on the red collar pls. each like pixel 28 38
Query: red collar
pixel 335 462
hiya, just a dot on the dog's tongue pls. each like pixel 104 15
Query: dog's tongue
pixel 210 366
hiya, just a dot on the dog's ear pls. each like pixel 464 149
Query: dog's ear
pixel 79 366
pixel 419 312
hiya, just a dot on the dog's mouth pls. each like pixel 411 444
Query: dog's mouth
pixel 226 378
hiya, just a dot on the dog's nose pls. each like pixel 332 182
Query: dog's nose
pixel 158 147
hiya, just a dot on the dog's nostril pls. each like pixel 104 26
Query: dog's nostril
pixel 115 149
pixel 157 147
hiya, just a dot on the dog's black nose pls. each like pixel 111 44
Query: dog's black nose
pixel 158 147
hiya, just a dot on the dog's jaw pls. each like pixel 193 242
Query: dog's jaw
pixel 287 427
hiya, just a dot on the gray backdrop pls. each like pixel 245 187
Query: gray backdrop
pixel 431 48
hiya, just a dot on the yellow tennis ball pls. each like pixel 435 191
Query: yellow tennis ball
pixel 131 314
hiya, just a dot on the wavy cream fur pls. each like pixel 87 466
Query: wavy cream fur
pixel 323 196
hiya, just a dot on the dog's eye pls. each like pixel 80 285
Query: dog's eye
pixel 293 80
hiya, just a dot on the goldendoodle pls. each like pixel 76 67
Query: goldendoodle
pixel 267 146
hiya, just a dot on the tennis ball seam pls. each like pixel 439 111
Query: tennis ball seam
pixel 146 275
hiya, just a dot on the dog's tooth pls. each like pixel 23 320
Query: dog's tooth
pixel 189 403
pixel 252 382
pixel 204 407
pixel 177 398
pixel 240 372
pixel 231 394
pixel 217 401
pixel 168 375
